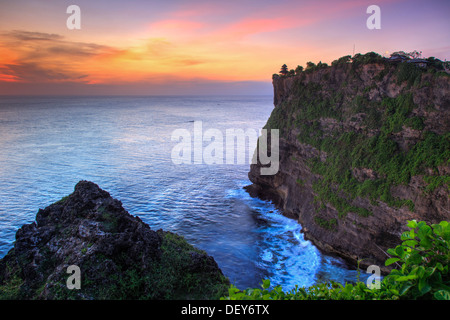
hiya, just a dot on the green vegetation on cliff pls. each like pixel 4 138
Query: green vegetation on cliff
pixel 358 128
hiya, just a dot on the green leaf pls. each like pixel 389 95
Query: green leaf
pixel 348 288
pixel 410 243
pixel 405 236
pixel 412 224
pixel 266 284
pixel 420 271
pixel 394 291
pixel 442 295
pixel 232 290
pixel 391 261
pixel 406 278
pixel 424 230
pixel 444 230
pixel 425 242
pixel 400 251
pixel 392 252
pixel 405 288
pixel 415 258
pixel 423 287
pixel 444 224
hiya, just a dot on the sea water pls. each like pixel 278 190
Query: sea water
pixel 48 144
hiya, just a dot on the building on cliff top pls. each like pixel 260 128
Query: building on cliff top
pixel 419 62
pixel 397 58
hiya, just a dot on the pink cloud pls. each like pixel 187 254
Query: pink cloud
pixel 273 18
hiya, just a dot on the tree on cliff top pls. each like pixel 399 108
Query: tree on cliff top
pixel 284 70
pixel 409 55
pixel 298 70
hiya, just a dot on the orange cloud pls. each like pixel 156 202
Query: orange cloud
pixel 214 41
pixel 43 57
pixel 8 77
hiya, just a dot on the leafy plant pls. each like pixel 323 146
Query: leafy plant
pixel 423 274
pixel 424 255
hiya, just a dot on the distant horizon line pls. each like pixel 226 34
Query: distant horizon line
pixel 134 95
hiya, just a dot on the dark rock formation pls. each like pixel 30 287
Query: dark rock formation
pixel 364 147
pixel 119 256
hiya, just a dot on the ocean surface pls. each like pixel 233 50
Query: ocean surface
pixel 124 144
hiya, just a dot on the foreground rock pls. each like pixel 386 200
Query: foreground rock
pixel 118 255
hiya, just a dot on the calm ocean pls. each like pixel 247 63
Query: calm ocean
pixel 48 144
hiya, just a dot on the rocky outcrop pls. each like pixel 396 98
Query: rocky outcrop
pixel 341 127
pixel 118 255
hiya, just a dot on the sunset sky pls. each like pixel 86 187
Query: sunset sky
pixel 198 47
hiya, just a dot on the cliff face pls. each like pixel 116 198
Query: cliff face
pixel 364 147
pixel 119 256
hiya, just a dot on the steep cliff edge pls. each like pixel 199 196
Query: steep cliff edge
pixel 364 146
pixel 118 255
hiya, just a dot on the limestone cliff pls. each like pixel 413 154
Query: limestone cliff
pixel 118 255
pixel 364 146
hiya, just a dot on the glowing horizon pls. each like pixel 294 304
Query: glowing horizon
pixel 151 47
